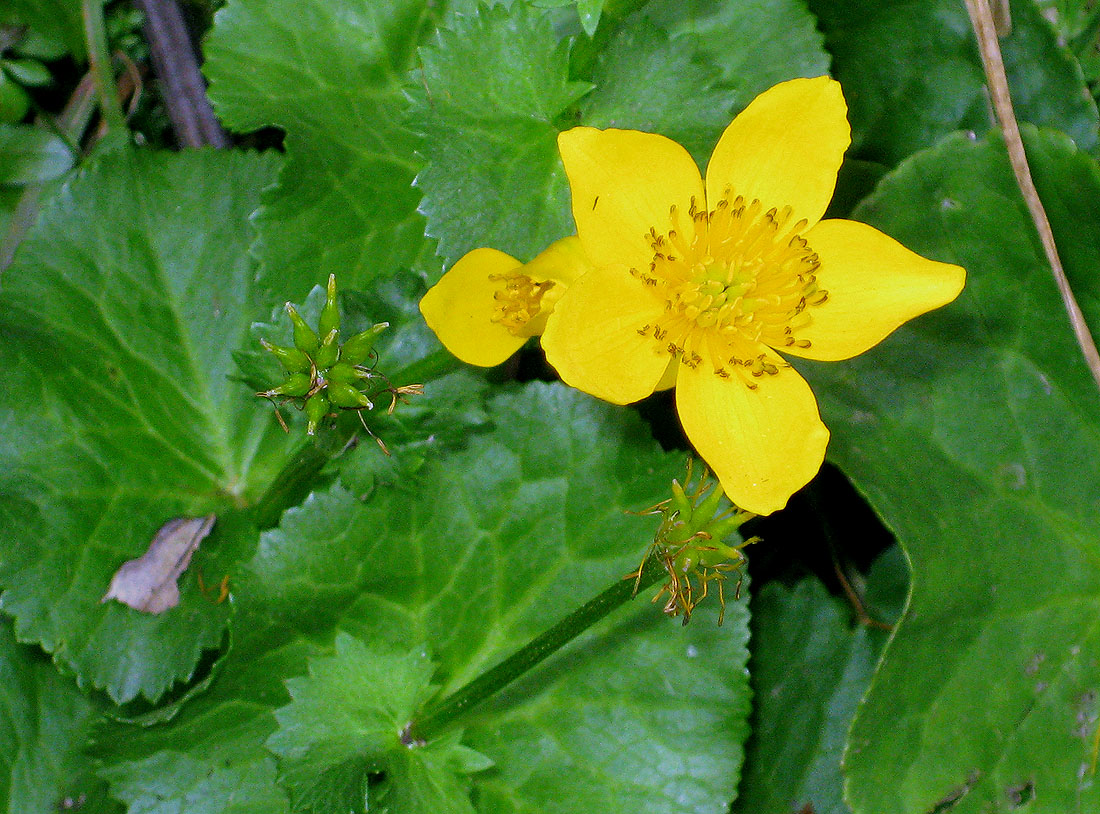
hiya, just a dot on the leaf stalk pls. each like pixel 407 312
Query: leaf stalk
pixel 441 715
pixel 99 59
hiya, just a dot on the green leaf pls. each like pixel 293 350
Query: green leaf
pixel 120 315
pixel 495 91
pixel 210 758
pixel 346 720
pixel 31 155
pixel 471 556
pixel 646 82
pixel 588 11
pixel 752 45
pixel 27 71
pixel 14 101
pixel 43 722
pixel 810 668
pixel 489 98
pixel 911 74
pixel 54 27
pixel 329 72
pixel 973 432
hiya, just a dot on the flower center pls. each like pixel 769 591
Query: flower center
pixel 738 279
pixel 519 305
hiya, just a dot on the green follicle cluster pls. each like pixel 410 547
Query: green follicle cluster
pixel 323 375
pixel 689 546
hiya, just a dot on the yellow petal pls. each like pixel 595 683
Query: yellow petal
pixel 785 148
pixel 623 183
pixel 459 308
pixel 563 261
pixel 874 283
pixel 592 337
pixel 763 444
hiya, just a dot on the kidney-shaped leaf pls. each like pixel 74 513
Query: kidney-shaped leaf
pixel 120 315
pixel 975 432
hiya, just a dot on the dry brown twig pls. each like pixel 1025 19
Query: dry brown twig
pixel 982 19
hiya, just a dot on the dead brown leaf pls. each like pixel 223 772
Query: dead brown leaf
pixel 149 583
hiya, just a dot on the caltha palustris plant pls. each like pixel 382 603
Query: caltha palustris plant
pixel 325 376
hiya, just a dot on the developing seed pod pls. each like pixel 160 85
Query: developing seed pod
pixel 296 384
pixel 305 339
pixel 317 407
pixel 345 395
pixel 357 349
pixel 330 314
pixel 346 373
pixel 329 351
pixel 294 360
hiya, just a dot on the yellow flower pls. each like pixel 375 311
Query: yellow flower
pixel 488 304
pixel 698 283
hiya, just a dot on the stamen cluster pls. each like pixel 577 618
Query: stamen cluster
pixel 735 278
pixel 519 303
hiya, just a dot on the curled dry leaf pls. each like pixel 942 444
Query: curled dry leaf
pixel 149 583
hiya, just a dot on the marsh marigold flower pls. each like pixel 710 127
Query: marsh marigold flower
pixel 488 304
pixel 698 283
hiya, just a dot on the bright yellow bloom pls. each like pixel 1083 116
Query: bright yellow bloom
pixel 488 304
pixel 698 283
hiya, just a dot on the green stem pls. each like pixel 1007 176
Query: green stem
pixel 296 478
pixel 438 717
pixel 99 59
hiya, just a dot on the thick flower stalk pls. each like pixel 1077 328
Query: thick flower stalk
pixel 489 304
pixel 700 284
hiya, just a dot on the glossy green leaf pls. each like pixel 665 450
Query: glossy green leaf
pixel 31 155
pixel 752 45
pixel 645 81
pixel 329 73
pixel 974 432
pixel 495 90
pixel 489 98
pixel 120 315
pixel 588 11
pixel 44 721
pixel 210 759
pixel 28 72
pixel 911 74
pixel 471 555
pixel 811 664
pixel 14 101
pixel 54 27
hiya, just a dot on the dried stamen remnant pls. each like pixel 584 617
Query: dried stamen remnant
pixel 690 546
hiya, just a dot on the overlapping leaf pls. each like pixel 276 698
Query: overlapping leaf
pixel 491 95
pixel 752 46
pixel 346 721
pixel 974 432
pixel 496 88
pixel 330 73
pixel 43 723
pixel 810 667
pixel 912 74
pixel 120 314
pixel 471 556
